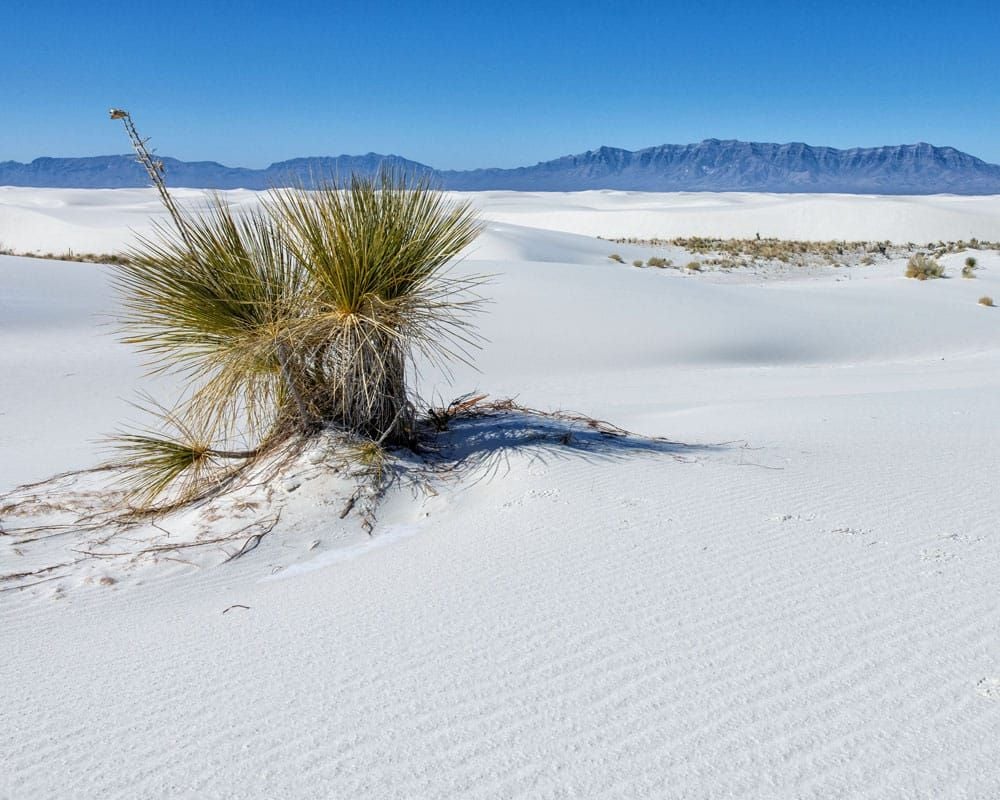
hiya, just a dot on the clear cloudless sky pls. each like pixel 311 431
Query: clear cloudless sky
pixel 476 84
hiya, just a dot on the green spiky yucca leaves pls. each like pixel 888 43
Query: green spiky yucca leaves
pixel 217 311
pixel 180 458
pixel 374 254
pixel 297 315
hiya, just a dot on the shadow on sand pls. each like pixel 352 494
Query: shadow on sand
pixel 476 444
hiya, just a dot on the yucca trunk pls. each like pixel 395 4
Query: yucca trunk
pixel 369 384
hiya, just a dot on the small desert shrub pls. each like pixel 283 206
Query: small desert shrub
pixel 923 267
pixel 986 300
pixel 637 263
pixel 969 270
pixel 656 261
pixel 616 257
pixel 694 266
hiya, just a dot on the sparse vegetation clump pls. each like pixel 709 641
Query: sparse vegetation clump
pixel 970 267
pixel 616 257
pixel 986 300
pixel 694 266
pixel 736 252
pixel 732 253
pixel 68 255
pixel 638 263
pixel 923 267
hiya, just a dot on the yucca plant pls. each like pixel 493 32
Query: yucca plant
pixel 296 316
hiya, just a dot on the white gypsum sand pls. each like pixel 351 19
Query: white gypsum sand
pixel 796 600
pixel 101 220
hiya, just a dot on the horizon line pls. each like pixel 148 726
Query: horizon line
pixel 543 161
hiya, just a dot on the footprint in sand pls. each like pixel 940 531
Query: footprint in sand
pixel 935 554
pixel 959 538
pixel 940 555
pixel 792 517
pixel 989 688
pixel 846 531
pixel 532 494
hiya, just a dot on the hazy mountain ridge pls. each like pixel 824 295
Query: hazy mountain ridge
pixel 123 171
pixel 715 165
pixel 711 165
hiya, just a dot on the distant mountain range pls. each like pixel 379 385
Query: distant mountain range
pixel 711 165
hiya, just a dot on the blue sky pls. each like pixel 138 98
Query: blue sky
pixel 466 84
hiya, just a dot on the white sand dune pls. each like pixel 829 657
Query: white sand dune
pixel 102 220
pixel 796 600
pixel 743 214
